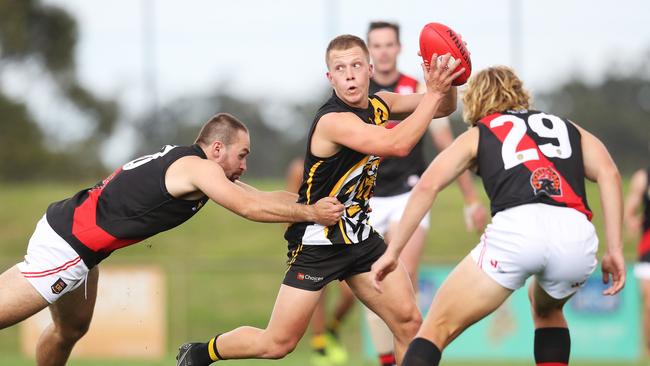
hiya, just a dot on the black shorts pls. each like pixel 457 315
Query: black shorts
pixel 311 267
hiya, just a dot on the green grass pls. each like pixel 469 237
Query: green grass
pixel 222 271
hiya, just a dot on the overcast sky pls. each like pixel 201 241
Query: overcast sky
pixel 276 48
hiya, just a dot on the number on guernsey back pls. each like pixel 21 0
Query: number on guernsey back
pixel 557 130
pixel 147 158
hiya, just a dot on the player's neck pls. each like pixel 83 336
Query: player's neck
pixel 386 78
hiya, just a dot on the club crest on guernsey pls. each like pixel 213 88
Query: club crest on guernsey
pixel 546 180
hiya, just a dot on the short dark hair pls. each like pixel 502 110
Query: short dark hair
pixel 222 127
pixel 382 24
pixel 344 42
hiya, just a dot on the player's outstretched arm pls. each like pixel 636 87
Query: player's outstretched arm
pixel 283 196
pixel 347 130
pixel 600 168
pixel 446 167
pixel 208 177
pixel 474 212
pixel 632 213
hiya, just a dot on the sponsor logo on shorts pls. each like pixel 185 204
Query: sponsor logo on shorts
pixel 58 286
pixel 546 180
pixel 577 284
pixel 301 276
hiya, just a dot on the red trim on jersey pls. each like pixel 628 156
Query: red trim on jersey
pixel 52 271
pixel 406 85
pixel 568 197
pixel 644 244
pixel 84 223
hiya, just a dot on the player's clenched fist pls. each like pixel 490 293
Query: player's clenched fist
pixel 328 211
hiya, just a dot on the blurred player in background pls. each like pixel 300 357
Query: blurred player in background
pixel 345 141
pixel 397 176
pixel 144 197
pixel 325 342
pixel 533 167
pixel 637 218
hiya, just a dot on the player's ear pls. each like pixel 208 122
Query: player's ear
pixel 371 68
pixel 216 148
pixel 329 77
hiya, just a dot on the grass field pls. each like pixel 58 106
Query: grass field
pixel 222 272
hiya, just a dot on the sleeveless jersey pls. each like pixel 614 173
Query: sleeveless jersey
pixel 347 175
pixel 399 175
pixel 530 156
pixel 129 206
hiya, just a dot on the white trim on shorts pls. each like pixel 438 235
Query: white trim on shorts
pixel 386 210
pixel 51 265
pixel 556 244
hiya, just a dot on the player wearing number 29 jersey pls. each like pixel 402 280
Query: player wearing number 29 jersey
pixel 529 156
pixel 533 165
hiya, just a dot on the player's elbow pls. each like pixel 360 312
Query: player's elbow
pixel 609 173
pixel 402 151
pixel 426 187
pixel 400 148
pixel 248 209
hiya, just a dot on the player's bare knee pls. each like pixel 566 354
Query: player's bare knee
pixel 546 313
pixel 409 323
pixel 279 348
pixel 73 332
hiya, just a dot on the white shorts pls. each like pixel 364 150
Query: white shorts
pixel 51 265
pixel 642 270
pixel 386 210
pixel 556 244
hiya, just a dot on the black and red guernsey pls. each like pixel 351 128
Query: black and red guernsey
pixel 399 175
pixel 129 206
pixel 531 157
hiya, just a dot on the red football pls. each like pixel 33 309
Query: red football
pixel 440 39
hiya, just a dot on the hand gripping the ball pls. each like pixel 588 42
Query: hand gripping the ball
pixel 439 74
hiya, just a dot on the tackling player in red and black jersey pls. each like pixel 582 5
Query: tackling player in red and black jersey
pixel 146 196
pixel 637 218
pixel 533 166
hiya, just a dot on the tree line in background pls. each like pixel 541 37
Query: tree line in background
pixel 617 109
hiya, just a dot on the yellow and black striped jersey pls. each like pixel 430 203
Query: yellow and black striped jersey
pixel 347 175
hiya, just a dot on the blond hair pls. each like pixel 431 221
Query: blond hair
pixel 492 90
pixel 222 127
pixel 345 42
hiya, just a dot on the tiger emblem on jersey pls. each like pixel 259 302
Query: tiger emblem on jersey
pixel 546 180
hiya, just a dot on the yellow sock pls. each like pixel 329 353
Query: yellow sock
pixel 212 349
